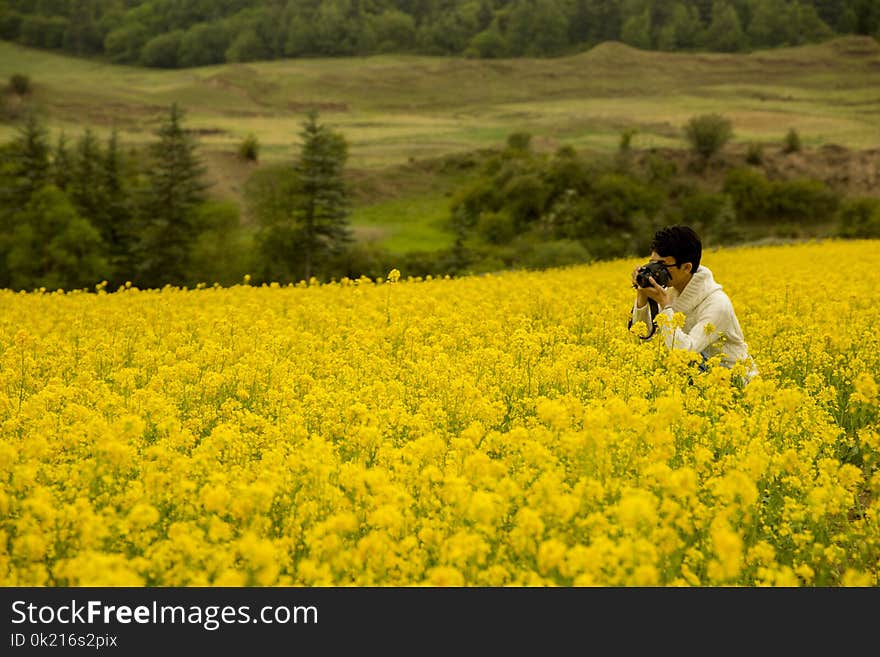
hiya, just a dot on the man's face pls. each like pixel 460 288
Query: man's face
pixel 679 274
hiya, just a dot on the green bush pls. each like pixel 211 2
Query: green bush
pixel 519 141
pixel 859 218
pixel 701 209
pixel 749 191
pixel 626 136
pixel 618 199
pixel 755 154
pixel 804 200
pixel 20 84
pixel 473 198
pixel 713 216
pixel 659 169
pixel 707 134
pixel 496 227
pixel 525 197
pixel 792 142
pixel 249 149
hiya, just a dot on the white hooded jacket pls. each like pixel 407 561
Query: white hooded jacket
pixel 710 326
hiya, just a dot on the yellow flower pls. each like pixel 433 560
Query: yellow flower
pixel 853 577
pixel 736 487
pixel 550 555
pixel 637 509
pixel 142 516
pixel 727 546
pixel 805 573
pixel 866 389
pixel 445 576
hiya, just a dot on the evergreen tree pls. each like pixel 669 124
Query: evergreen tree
pixel 30 165
pixel 116 222
pixel 61 163
pixel 175 189
pixel 25 168
pixel 322 207
pixel 7 211
pixel 84 187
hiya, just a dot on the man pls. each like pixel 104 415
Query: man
pixel 711 327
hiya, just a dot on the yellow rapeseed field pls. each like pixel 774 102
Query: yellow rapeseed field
pixel 498 430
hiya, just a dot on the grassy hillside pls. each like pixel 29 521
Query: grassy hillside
pixel 395 110
pixel 393 107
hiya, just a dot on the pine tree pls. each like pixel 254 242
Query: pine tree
pixel 25 168
pixel 116 224
pixel 322 208
pixel 61 163
pixel 30 167
pixel 84 185
pixel 175 189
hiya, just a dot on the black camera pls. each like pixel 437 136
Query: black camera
pixel 656 269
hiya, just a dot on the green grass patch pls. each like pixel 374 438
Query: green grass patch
pixel 406 224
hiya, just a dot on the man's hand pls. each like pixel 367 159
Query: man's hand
pixel 655 292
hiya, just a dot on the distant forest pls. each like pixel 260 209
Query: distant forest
pixel 184 33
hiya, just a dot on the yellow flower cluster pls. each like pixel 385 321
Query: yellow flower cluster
pixel 497 430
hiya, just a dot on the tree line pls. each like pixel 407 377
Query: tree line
pixel 185 33
pixel 75 214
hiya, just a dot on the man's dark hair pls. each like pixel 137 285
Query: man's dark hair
pixel 680 242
